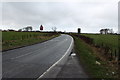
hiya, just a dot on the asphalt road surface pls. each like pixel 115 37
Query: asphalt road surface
pixel 32 61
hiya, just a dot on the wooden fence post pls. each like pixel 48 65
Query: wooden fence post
pixel 119 55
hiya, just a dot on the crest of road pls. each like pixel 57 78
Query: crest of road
pixel 32 61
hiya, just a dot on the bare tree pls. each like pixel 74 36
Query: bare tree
pixel 111 31
pixel 54 29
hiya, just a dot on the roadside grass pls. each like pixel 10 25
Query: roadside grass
pixel 88 59
pixel 11 40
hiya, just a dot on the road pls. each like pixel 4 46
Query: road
pixel 32 61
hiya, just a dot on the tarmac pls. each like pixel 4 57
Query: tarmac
pixel 72 69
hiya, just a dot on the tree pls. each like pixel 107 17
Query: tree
pixel 106 31
pixel 54 29
pixel 101 31
pixel 20 30
pixel 28 28
pixel 111 31
pixel 79 30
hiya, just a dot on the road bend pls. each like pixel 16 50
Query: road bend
pixel 32 61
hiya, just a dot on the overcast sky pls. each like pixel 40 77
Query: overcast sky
pixel 88 15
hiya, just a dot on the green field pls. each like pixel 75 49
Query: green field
pixel 12 40
pixel 105 41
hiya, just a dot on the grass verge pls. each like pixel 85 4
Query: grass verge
pixel 88 59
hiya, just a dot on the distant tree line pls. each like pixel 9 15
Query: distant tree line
pixel 106 31
pixel 28 28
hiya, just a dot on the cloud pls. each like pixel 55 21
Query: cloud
pixel 89 16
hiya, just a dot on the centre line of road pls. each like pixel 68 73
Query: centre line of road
pixel 57 61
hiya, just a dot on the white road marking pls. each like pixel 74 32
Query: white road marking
pixel 57 61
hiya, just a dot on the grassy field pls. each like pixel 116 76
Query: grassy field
pixel 106 41
pixel 88 58
pixel 12 40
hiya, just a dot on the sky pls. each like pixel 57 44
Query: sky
pixel 89 15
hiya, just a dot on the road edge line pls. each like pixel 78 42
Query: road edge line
pixel 58 60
